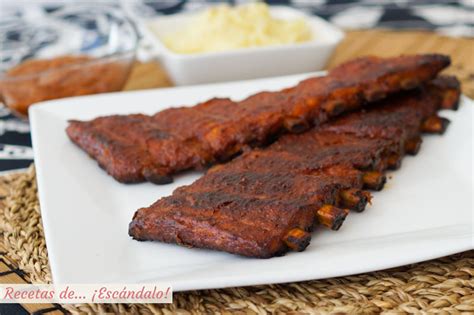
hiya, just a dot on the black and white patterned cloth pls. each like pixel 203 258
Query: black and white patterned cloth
pixel 454 18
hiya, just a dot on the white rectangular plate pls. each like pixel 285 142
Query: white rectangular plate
pixel 424 212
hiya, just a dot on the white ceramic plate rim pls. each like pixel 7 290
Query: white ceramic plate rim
pixel 364 254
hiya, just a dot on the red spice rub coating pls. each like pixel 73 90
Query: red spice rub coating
pixel 248 206
pixel 135 148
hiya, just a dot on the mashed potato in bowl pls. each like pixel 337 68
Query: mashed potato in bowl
pixel 223 28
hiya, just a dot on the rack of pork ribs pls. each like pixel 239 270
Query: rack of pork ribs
pixel 267 201
pixel 134 148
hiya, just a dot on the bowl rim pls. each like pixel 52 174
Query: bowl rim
pixel 129 53
pixel 162 49
pixel 4 77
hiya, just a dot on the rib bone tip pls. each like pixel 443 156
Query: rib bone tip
pixel 374 180
pixel 412 146
pixel 331 216
pixel 435 124
pixel 394 161
pixel 354 199
pixel 297 239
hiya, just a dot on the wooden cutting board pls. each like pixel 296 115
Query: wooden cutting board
pixel 359 43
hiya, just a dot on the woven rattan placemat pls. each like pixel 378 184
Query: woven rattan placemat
pixel 441 285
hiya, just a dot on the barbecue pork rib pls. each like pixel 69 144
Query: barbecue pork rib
pixel 266 201
pixel 135 148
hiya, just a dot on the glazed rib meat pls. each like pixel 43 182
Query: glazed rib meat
pixel 266 201
pixel 135 148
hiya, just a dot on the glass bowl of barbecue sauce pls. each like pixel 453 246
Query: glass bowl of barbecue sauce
pixel 71 50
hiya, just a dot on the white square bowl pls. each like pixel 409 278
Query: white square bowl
pixel 245 63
